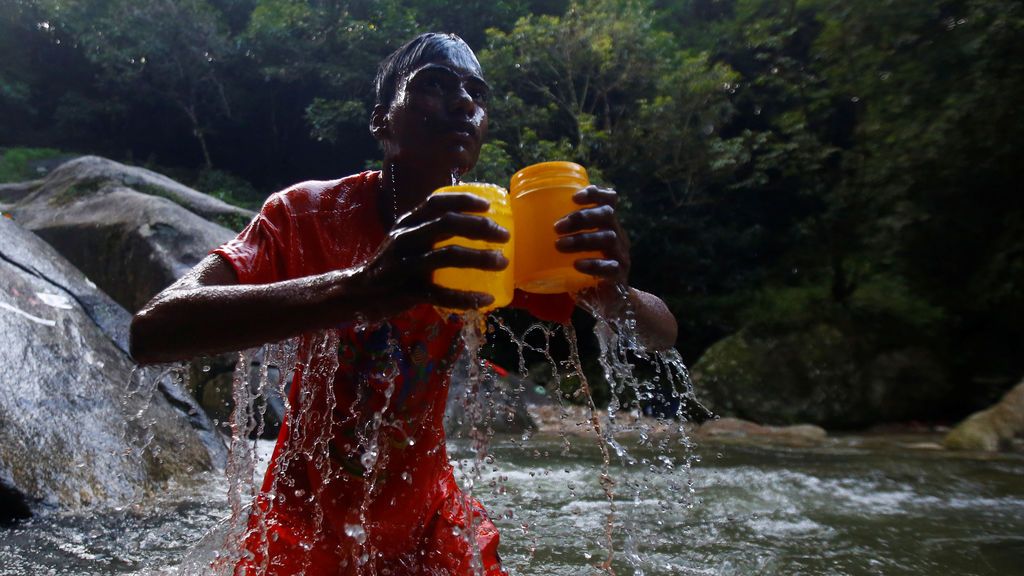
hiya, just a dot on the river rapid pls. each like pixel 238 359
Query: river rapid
pixel 855 505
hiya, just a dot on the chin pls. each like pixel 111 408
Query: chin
pixel 464 161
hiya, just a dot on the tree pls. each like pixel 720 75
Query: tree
pixel 157 50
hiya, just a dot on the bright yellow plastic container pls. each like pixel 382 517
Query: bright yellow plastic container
pixel 541 195
pixel 499 284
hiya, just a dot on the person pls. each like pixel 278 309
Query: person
pixel 359 481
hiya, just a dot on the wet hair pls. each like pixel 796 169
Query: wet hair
pixel 421 49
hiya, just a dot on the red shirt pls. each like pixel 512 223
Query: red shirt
pixel 397 372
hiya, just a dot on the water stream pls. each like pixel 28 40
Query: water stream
pixel 856 506
pixel 605 492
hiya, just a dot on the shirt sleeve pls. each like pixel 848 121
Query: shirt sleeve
pixel 259 252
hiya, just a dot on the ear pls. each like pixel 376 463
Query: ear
pixel 379 125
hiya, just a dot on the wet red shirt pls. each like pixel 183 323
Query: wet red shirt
pixel 359 473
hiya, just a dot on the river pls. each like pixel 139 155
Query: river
pixel 856 505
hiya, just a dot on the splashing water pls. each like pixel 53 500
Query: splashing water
pixel 770 512
pixel 643 476
pixel 667 453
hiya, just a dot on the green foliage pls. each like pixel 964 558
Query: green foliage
pixel 17 164
pixel 778 309
pixel 327 118
pixel 779 164
pixel 233 221
pixel 494 165
pixel 229 188
pixel 890 300
pixel 164 51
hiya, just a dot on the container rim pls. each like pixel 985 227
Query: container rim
pixel 558 166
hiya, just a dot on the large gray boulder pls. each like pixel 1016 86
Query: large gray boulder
pixel 134 232
pixel 77 426
pixel 130 230
pixel 817 375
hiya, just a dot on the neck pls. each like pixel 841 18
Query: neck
pixel 404 187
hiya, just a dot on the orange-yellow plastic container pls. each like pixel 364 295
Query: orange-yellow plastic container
pixel 541 195
pixel 499 284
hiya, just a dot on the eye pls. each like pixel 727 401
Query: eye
pixel 479 94
pixel 430 83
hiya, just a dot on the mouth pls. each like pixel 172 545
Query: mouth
pixel 464 131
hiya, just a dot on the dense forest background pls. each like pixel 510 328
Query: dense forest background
pixel 841 171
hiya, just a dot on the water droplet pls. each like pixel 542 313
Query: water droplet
pixel 356 532
pixel 368 459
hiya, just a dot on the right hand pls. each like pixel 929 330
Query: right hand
pixel 400 275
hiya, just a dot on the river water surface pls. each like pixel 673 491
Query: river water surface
pixel 854 506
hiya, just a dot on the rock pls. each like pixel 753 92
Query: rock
pixel 16 191
pixel 991 429
pixel 495 405
pixel 85 175
pixel 92 208
pixel 734 428
pixel 76 428
pixel 817 375
pixel 211 383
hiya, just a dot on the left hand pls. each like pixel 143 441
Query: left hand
pixel 596 228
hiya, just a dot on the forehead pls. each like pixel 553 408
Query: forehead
pixel 454 55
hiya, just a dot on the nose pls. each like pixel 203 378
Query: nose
pixel 461 101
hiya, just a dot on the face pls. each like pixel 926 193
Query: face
pixel 438 117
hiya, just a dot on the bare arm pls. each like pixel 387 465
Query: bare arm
pixel 655 324
pixel 208 311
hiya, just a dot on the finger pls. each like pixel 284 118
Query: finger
pixel 422 237
pixel 458 299
pixel 606 241
pixel 608 269
pixel 466 225
pixel 595 195
pixel 587 219
pixel 462 257
pixel 437 204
